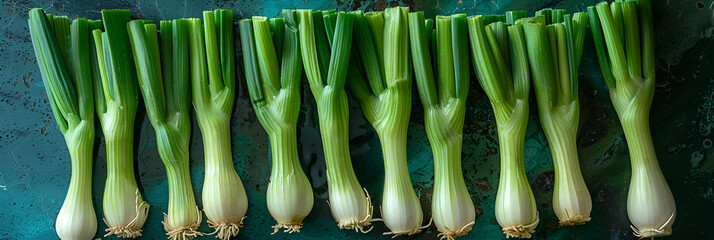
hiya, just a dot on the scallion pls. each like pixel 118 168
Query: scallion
pixel 117 100
pixel 501 63
pixel 444 101
pixel 64 54
pixel 213 92
pixel 382 57
pixel 268 45
pixel 325 43
pixel 555 46
pixel 164 83
pixel 624 42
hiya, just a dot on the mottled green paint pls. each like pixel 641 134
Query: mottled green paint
pixel 34 166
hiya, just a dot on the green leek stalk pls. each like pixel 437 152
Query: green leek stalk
pixel 325 42
pixel 555 47
pixel 268 45
pixel 116 102
pixel 64 54
pixel 444 103
pixel 213 92
pixel 164 83
pixel 382 57
pixel 501 63
pixel 624 42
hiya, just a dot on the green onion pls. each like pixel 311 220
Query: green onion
pixel 507 87
pixel 555 47
pixel 624 42
pixel 444 103
pixel 325 40
pixel 164 83
pixel 267 45
pixel 64 54
pixel 382 57
pixel 213 93
pixel 116 101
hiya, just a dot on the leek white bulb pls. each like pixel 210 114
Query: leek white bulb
pixel 571 199
pixel 351 206
pixel 650 203
pixel 452 208
pixel 516 209
pixel 76 219
pixel 224 197
pixel 289 195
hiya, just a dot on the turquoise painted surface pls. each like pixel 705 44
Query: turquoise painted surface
pixel 34 162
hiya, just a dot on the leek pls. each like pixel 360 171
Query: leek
pixel 164 83
pixel 275 96
pixel 501 63
pixel 624 42
pixel 213 92
pixel 555 47
pixel 116 101
pixel 383 58
pixel 444 103
pixel 64 54
pixel 325 42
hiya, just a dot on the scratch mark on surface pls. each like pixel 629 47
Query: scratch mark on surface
pixel 496 3
pixel 185 3
pixel 156 4
pixel 9 22
pixel 24 180
pixel 138 7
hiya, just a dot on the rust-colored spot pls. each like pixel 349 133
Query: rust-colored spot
pixel 483 185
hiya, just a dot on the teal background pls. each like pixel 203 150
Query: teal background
pixel 35 164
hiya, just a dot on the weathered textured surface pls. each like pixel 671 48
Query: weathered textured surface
pixel 34 162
